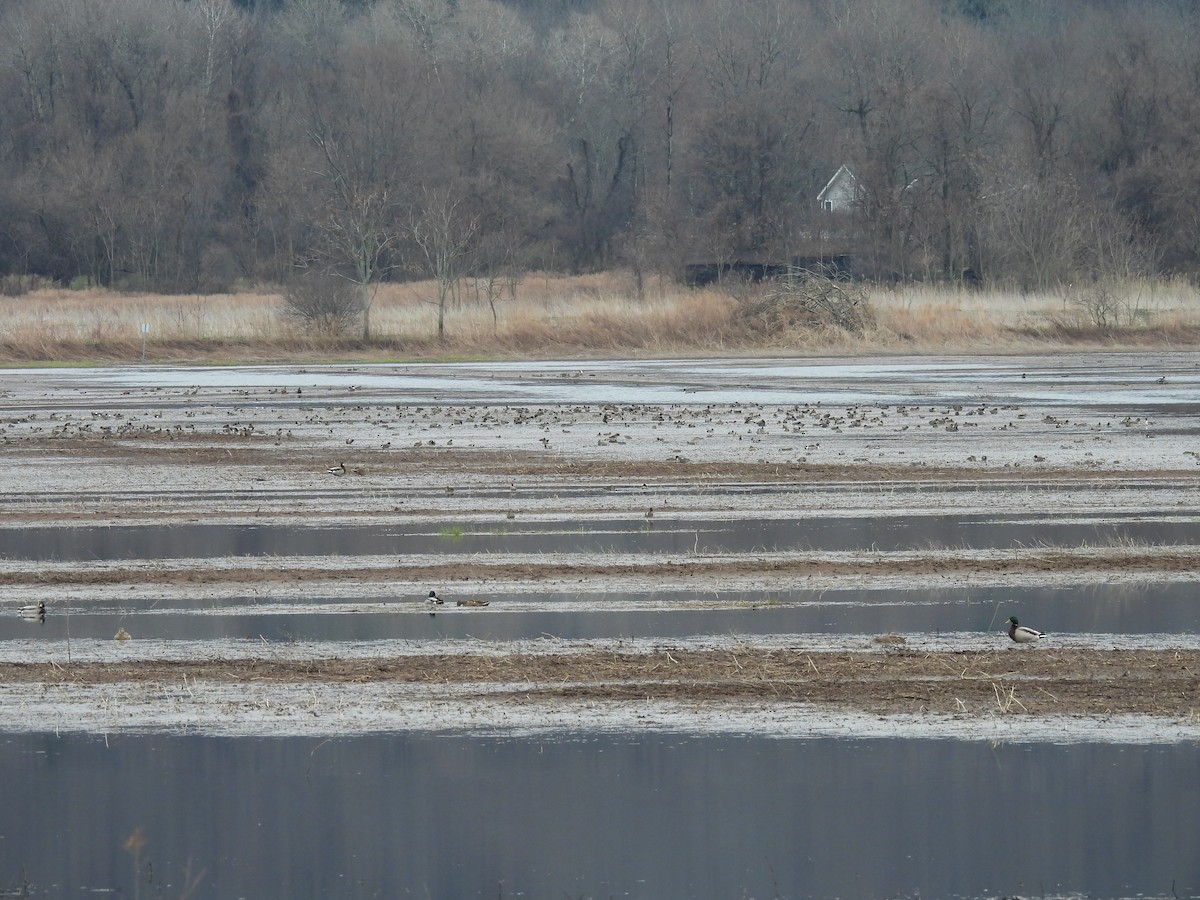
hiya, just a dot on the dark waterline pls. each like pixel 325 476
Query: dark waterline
pixel 883 534
pixel 643 815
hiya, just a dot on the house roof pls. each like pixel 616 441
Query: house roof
pixel 840 175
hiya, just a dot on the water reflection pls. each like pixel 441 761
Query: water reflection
pixel 881 533
pixel 642 815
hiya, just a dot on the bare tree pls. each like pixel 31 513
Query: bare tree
pixel 358 128
pixel 750 152
pixel 880 62
pixel 962 113
pixel 215 17
pixel 600 110
pixel 1044 84
pixel 496 256
pixel 92 183
pixel 1039 231
pixel 673 88
pixel 443 229
pixel 359 229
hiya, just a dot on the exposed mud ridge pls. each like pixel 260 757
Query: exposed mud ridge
pixel 1018 681
pixel 259 452
pixel 550 566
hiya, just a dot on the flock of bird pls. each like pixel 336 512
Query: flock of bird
pixel 381 426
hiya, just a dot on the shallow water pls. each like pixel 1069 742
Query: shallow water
pixel 1119 381
pixel 745 535
pixel 593 815
pixel 1127 609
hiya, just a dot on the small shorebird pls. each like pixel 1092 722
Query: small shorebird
pixel 1021 634
pixel 433 599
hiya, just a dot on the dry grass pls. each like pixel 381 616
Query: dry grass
pixel 1009 681
pixel 559 315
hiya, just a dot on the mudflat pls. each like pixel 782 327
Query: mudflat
pixel 1059 682
pixel 482 448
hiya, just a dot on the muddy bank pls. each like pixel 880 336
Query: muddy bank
pixel 1021 681
pixel 1131 698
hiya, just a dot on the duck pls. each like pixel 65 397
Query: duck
pixel 434 599
pixel 1021 634
pixel 473 602
pixel 33 610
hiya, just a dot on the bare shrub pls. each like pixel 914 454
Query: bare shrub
pixel 20 285
pixel 324 303
pixel 1103 304
pixel 805 298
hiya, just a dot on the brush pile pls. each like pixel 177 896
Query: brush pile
pixel 804 298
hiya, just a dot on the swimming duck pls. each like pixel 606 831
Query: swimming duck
pixel 434 599
pixel 473 602
pixel 1021 634
pixel 34 612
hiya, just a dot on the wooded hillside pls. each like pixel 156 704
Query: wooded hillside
pixel 181 146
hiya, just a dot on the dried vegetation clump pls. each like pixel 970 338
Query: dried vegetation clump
pixel 325 304
pixel 808 300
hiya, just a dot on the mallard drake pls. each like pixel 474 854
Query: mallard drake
pixel 434 599
pixel 1022 634
pixel 473 602
pixel 33 610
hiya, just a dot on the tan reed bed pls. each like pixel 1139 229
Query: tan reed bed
pixel 547 315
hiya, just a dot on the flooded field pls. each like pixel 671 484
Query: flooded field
pixel 1116 613
pixel 598 815
pixel 763 599
pixel 746 534
pixel 229 513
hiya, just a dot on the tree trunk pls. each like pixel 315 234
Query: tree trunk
pixel 442 292
pixel 365 289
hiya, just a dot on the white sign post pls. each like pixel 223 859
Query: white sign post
pixel 145 331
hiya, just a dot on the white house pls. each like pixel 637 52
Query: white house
pixel 841 193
